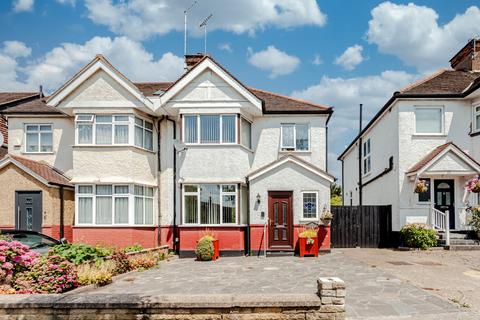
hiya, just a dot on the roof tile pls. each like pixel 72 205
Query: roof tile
pixel 44 170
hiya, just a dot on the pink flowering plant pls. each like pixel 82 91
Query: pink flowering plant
pixel 14 258
pixel 52 274
pixel 473 185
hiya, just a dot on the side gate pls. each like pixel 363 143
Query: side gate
pixel 366 226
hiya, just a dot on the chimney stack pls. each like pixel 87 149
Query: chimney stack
pixel 192 59
pixel 468 58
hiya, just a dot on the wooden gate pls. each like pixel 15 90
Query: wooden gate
pixel 366 226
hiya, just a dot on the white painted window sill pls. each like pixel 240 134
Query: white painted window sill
pixel 295 151
pixel 428 135
pixel 114 226
pixel 33 153
pixel 111 146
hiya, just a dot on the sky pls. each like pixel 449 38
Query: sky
pixel 332 52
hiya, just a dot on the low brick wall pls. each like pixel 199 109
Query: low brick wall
pixel 329 303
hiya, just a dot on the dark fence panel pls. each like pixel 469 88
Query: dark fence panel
pixel 366 227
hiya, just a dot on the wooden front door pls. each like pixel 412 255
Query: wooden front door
pixel 280 214
pixel 445 198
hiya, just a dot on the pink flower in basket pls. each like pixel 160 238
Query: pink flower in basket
pixel 473 185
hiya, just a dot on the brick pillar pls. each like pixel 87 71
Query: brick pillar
pixel 332 292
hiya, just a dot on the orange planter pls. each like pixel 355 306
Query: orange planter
pixel 308 248
pixel 216 250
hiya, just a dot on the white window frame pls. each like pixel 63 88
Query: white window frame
pixel 441 107
pixel 241 133
pixel 198 142
pixel 316 206
pixel 144 128
pixel 144 197
pixel 38 132
pixel 93 123
pixel 366 157
pixel 131 204
pixel 294 125
pixel 222 193
pixel 475 113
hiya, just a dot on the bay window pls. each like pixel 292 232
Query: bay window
pixel 429 120
pixel 210 129
pixel 246 133
pixel 114 205
pixel 476 118
pixel 39 138
pixel 210 204
pixel 143 134
pixel 295 137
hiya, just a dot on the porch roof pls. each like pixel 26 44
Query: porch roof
pixel 432 162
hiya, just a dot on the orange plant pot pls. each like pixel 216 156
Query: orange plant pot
pixel 308 249
pixel 216 250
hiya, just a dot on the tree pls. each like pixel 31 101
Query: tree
pixel 335 195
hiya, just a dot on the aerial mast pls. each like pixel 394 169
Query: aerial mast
pixel 185 13
pixel 204 25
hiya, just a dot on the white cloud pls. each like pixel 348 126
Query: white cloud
pixel 70 2
pixel 23 5
pixel 277 62
pixel 142 19
pixel 317 60
pixel 412 33
pixel 225 47
pixel 59 64
pixel 351 57
pixel 16 49
pixel 345 94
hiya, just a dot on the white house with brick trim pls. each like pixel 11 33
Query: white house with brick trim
pixel 428 131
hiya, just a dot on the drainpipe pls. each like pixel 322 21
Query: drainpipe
pixel 159 135
pixel 343 184
pixel 62 210
pixel 360 195
pixel 175 246
pixel 247 232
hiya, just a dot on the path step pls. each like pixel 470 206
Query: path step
pixel 462 247
pixel 280 253
pixel 464 242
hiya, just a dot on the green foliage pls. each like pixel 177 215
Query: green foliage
pixel 80 253
pixel 418 236
pixel 122 262
pixel 474 221
pixel 336 200
pixel 52 274
pixel 204 250
pixel 335 190
pixel 144 261
pixel 133 248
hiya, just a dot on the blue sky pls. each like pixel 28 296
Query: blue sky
pixel 333 52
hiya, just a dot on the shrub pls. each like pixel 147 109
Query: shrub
pixel 144 261
pixel 6 289
pixel 99 273
pixel 418 236
pixel 80 253
pixel 51 274
pixel 308 233
pixel 104 251
pixel 133 248
pixel 14 258
pixel 122 262
pixel 204 250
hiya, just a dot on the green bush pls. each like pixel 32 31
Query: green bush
pixel 133 248
pixel 99 273
pixel 474 220
pixel 418 236
pixel 204 248
pixel 80 253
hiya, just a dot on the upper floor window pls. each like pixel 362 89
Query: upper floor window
pixel 246 133
pixel 476 118
pixel 143 134
pixel 210 129
pixel 39 138
pixel 367 162
pixel 295 137
pixel 429 120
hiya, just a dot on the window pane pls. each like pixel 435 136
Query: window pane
pixel 139 136
pixel 148 211
pixel 210 204
pixel 104 190
pixel 148 125
pixel 428 120
pixel 85 133
pixel 139 122
pixel 121 210
pixel 302 137
pixel 287 136
pixel 228 128
pixel 191 129
pixel 46 142
pixel 229 209
pixel 32 128
pixel 85 189
pixel 104 210
pixel 245 203
pixel 138 190
pixel 121 118
pixel 138 210
pixel 246 134
pixel 121 189
pixel 191 209
pixel 32 142
pixel 210 129
pixel 228 188
pixel 477 122
pixel 104 119
pixel 121 133
pixel 425 196
pixel 46 127
pixel 103 134
pixel 85 206
pixel 148 192
pixel 190 188
pixel 84 117
pixel 148 140
pixel 309 205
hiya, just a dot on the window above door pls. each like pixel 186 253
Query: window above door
pixel 295 137
pixel 429 120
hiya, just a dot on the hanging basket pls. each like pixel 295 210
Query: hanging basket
pixel 473 185
pixel 421 187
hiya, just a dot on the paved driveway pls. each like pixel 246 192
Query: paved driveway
pixel 371 292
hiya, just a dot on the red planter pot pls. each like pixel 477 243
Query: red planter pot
pixel 216 250
pixel 310 249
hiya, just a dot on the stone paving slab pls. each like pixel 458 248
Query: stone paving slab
pixel 371 292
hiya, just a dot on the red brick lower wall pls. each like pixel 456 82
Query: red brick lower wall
pixel 115 236
pixel 229 238
pixel 166 236
pixel 54 232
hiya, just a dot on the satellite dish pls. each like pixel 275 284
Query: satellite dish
pixel 1 139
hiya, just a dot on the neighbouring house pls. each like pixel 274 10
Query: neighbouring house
pixel 165 162
pixel 430 132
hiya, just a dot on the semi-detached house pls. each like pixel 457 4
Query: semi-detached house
pixel 106 160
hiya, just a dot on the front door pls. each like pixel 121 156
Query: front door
pixel 280 231
pixel 28 210
pixel 445 198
